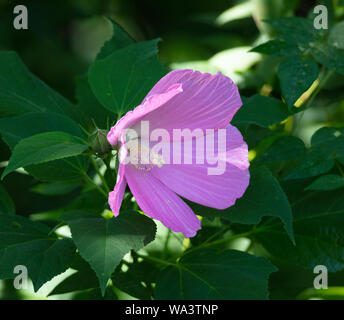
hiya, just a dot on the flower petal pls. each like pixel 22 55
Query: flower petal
pixel 116 196
pixel 150 103
pixel 159 202
pixel 193 181
pixel 207 101
pixel 236 148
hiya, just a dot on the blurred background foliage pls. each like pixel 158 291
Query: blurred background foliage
pixel 65 36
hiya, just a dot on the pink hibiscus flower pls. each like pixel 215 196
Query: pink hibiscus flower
pixel 185 100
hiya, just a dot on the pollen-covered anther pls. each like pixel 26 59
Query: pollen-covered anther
pixel 142 157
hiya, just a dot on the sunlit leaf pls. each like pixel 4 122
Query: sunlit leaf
pixel 122 79
pixel 44 147
pixel 104 242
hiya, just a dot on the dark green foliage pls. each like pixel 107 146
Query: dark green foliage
pixel 210 275
pixel 318 229
pixel 54 211
pixel 122 79
pixel 296 76
pixel 27 243
pixel 260 110
pixel 104 242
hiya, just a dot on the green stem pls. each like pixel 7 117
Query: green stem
pixel 84 130
pixel 94 123
pixel 224 240
pixel 119 115
pixel 107 161
pixel 322 81
pixel 88 179
pixel 320 86
pixel 153 259
pixel 224 229
pixel 100 175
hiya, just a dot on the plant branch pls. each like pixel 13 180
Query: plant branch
pixel 100 175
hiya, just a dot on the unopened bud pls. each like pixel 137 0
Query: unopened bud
pixel 100 143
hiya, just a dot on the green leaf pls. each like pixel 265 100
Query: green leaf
pixel 55 188
pixel 89 201
pixel 296 30
pixel 261 110
pixel 137 280
pixel 318 229
pixel 296 75
pixel 44 147
pixel 278 48
pixel 255 135
pixel 76 214
pixel 283 149
pixel 17 128
pixel 329 140
pixel 27 243
pixel 104 242
pixel 95 294
pixel 239 11
pixel 79 281
pixel 336 37
pixel 60 170
pixel 327 145
pixel 84 283
pixel 206 274
pixel 329 56
pixel 89 108
pixel 331 293
pixel 22 92
pixel 263 197
pixel 119 40
pixel 122 79
pixel 327 182
pixel 312 164
pixel 6 203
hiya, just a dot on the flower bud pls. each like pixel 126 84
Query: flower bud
pixel 99 142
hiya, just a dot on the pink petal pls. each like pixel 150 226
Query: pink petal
pixel 159 202
pixel 207 101
pixel 150 103
pixel 175 76
pixel 116 196
pixel 236 148
pixel 193 182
